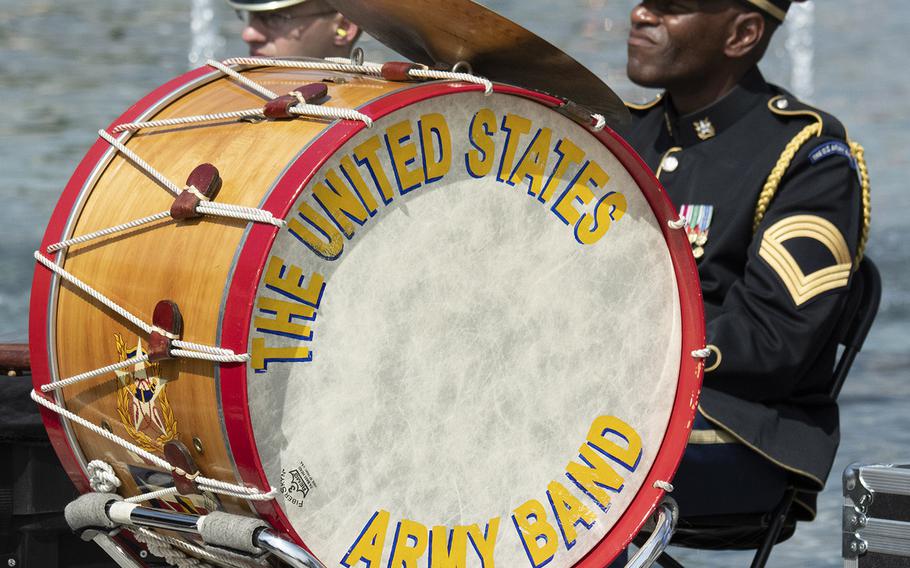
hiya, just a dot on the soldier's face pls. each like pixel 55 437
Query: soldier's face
pixel 675 42
pixel 305 29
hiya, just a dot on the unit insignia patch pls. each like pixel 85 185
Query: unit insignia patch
pixel 142 403
pixel 829 149
pixel 803 287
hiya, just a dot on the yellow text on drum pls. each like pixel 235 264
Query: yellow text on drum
pixel 420 155
pixel 294 298
pixel 443 547
pixel 595 477
pixel 578 205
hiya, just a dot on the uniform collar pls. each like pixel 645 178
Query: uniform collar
pixel 704 124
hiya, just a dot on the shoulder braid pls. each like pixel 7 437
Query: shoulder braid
pixel 786 158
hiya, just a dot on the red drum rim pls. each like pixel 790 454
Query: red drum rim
pixel 251 260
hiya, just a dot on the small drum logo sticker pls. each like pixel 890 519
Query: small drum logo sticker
pixel 142 403
pixel 296 484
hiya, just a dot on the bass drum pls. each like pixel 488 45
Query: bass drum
pixel 466 338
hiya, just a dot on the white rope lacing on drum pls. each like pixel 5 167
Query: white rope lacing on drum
pixel 168 491
pixel 678 223
pixel 665 485
pixel 109 231
pixel 205 207
pixel 95 373
pixel 600 122
pixel 302 109
pixel 262 90
pixel 231 357
pixel 307 110
pixel 203 483
pixel 185 349
pixel 371 69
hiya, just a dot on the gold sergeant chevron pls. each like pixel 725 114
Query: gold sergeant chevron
pixel 804 287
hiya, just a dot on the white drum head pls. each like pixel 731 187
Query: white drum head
pixel 465 378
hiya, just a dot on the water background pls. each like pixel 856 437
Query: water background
pixel 69 67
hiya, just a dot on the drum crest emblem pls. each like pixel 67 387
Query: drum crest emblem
pixel 142 403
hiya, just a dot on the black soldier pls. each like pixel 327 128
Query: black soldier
pixel 776 202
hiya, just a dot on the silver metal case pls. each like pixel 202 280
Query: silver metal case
pixel 876 519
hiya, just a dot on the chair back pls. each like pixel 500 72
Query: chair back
pixel 762 532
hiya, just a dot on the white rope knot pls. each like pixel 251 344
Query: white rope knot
pixel 101 477
pixel 167 334
pixel 181 473
pixel 665 485
pixel 678 224
pixel 192 190
pixel 299 96
pixel 599 122
pixel 702 353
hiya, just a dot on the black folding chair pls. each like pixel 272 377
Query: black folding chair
pixel 762 532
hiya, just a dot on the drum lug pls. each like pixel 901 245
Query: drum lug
pixel 179 456
pixel 167 325
pixel 399 70
pixel 203 182
pixel 280 107
pixel 578 113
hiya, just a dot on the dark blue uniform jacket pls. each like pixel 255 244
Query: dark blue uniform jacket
pixel 773 290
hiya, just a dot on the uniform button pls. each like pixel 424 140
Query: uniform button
pixel 782 104
pixel 670 164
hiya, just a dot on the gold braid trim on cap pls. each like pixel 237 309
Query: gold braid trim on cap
pixel 770 8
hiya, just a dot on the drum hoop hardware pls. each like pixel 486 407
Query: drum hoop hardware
pixel 463 67
pixel 167 547
pixel 580 114
pixel 204 483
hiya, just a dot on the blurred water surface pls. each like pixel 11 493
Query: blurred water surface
pixel 69 67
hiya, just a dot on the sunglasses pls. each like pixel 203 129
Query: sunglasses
pixel 276 19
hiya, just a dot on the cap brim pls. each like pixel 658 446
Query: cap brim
pixel 263 6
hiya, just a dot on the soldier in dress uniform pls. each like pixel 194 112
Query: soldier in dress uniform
pixel 295 28
pixel 775 197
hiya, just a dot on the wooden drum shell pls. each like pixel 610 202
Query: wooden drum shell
pixel 187 262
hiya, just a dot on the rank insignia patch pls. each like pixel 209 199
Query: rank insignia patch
pixel 803 287
pixel 704 129
pixel 698 222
